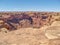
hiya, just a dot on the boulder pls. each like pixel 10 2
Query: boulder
pixel 4 30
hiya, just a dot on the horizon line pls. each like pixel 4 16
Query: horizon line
pixel 30 11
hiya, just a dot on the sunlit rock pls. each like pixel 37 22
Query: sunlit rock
pixel 53 32
pixel 56 23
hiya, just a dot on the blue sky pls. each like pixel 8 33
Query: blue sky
pixel 30 5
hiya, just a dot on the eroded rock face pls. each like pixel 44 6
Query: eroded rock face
pixel 13 21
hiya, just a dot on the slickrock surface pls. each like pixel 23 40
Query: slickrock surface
pixel 47 33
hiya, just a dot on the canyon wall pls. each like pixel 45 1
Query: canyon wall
pixel 16 20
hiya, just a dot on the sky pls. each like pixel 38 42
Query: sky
pixel 30 5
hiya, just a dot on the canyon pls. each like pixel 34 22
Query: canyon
pixel 29 28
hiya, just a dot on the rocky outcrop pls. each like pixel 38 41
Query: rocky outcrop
pixel 53 32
